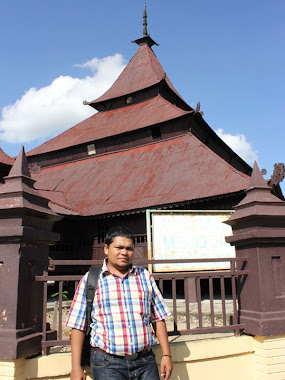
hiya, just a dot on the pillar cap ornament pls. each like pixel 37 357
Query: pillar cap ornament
pixel 25 214
pixel 259 216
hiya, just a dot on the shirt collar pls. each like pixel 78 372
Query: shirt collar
pixel 105 269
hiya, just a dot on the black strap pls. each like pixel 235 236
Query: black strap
pixel 90 289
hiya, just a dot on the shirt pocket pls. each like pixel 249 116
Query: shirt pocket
pixel 141 302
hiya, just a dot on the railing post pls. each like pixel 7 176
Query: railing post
pixel 259 234
pixel 25 234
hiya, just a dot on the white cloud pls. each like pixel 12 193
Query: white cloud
pixel 104 65
pixel 47 111
pixel 240 145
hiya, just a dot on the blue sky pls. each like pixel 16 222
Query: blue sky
pixel 226 54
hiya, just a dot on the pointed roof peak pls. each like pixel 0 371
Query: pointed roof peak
pixel 257 179
pixel 258 192
pixel 143 70
pixel 146 39
pixel 20 167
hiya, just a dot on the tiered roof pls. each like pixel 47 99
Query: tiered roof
pixel 186 163
pixel 114 122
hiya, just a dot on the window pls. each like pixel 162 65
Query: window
pixel 91 149
pixel 156 132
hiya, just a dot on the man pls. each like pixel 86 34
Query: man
pixel 126 305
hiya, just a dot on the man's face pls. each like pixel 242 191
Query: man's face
pixel 120 254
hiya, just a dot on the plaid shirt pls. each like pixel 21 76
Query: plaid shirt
pixel 123 310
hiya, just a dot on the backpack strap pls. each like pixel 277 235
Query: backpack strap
pixel 90 289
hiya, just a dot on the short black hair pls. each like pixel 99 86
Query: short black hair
pixel 119 231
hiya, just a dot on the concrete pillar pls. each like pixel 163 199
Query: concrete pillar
pixel 12 369
pixel 269 357
pixel 26 224
pixel 258 226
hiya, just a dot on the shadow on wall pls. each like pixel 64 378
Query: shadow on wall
pixel 180 372
pixel 180 355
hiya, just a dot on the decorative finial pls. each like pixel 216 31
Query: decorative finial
pixel 197 110
pixel 146 39
pixel 144 21
pixel 278 173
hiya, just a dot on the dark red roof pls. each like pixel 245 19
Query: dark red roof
pixel 5 159
pixel 143 71
pixel 165 172
pixel 110 123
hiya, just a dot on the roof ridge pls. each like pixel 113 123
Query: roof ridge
pixel 174 105
pixel 221 158
pixel 67 206
pixel 150 51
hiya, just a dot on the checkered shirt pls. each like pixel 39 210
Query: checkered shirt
pixel 123 310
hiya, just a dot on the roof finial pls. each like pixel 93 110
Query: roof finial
pixel 146 39
pixel 144 21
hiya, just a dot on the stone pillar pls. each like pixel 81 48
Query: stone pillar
pixel 26 224
pixel 258 225
pixel 269 357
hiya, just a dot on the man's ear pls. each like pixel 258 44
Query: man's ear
pixel 106 249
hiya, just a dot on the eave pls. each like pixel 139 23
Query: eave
pixel 167 172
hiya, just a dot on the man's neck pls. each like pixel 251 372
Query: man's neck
pixel 121 272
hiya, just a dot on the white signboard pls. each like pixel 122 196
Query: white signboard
pixel 190 235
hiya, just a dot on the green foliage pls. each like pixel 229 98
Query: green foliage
pixel 64 294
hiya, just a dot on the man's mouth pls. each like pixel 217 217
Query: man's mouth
pixel 123 259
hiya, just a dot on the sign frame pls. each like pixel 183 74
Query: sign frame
pixel 150 213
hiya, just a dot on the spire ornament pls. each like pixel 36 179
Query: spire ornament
pixel 278 174
pixel 144 21
pixel 146 39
